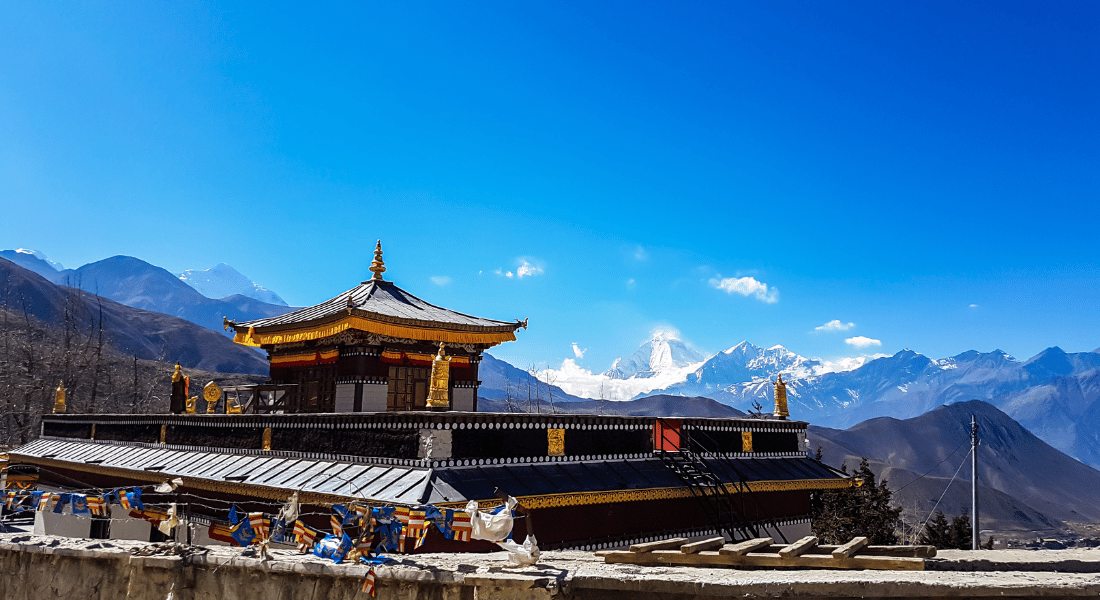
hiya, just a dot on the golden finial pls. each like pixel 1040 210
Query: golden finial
pixel 377 266
pixel 59 399
pixel 177 374
pixel 781 398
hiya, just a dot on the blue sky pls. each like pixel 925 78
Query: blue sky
pixel 928 172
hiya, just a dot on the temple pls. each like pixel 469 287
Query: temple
pixel 372 402
pixel 371 349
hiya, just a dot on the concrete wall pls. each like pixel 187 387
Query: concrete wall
pixel 64 524
pixel 45 568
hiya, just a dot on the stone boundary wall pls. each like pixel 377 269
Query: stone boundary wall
pixel 51 568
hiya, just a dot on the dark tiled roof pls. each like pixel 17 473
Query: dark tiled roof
pixel 375 298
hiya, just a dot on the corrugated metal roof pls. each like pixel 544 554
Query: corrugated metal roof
pixel 391 484
pixel 413 485
pixel 379 298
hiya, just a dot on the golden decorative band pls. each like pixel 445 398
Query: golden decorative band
pixel 665 493
pixel 305 358
pixel 252 338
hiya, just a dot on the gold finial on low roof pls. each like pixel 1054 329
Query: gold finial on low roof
pixel 377 266
pixel 781 398
pixel 59 399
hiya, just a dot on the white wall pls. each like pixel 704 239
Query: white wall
pixel 345 398
pixel 463 399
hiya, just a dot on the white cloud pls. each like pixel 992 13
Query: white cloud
pixel 629 284
pixel 440 279
pixel 747 286
pixel 527 269
pixel 860 341
pixel 578 352
pixel 973 306
pixel 640 253
pixel 835 325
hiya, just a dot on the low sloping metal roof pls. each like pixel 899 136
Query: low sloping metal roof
pixel 409 485
pixel 381 483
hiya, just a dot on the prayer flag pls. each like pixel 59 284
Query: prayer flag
pixel 242 533
pixel 342 549
pixel 234 518
pixel 258 524
pixel 97 506
pixel 368 583
pixel 418 527
pixel 62 500
pixel 461 526
pixel 80 504
pixel 221 532
pixel 135 499
pixel 305 535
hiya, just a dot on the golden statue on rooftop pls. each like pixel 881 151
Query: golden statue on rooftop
pixel 438 397
pixel 59 399
pixel 781 398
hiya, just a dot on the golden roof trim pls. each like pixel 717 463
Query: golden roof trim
pixel 322 328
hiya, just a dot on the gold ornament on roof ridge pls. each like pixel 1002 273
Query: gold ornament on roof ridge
pixel 59 399
pixel 377 266
pixel 781 398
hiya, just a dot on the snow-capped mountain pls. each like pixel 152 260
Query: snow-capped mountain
pixel 34 261
pixel 223 281
pixel 659 355
pixel 1056 395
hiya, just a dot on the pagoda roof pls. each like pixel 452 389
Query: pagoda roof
pixel 380 307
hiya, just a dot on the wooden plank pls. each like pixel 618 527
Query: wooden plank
pixel 746 547
pixel 708 544
pixel 674 558
pixel 898 551
pixel 799 548
pixel 847 550
pixel 658 545
pixel 910 551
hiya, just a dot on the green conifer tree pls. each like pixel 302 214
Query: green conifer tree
pixel 837 516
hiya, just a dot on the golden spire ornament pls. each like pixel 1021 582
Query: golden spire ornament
pixel 59 399
pixel 781 398
pixel 377 266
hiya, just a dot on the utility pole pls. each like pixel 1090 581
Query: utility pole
pixel 976 538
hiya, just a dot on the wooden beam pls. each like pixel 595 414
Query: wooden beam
pixel 708 544
pixel 847 550
pixel 672 557
pixel 799 548
pixel 746 547
pixel 659 545
pixel 898 551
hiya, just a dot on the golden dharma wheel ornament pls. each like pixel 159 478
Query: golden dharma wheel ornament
pixel 212 392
